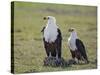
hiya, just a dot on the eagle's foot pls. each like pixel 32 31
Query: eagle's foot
pixel 52 61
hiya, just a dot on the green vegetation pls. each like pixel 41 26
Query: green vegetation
pixel 29 52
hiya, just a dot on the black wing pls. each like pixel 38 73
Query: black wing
pixel 59 34
pixel 59 42
pixel 43 29
pixel 81 48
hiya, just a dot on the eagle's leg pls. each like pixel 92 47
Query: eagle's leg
pixel 58 52
pixel 56 55
pixel 76 60
pixel 49 54
pixel 78 56
pixel 85 60
pixel 58 59
pixel 74 57
pixel 73 54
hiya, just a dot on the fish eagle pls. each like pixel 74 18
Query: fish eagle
pixel 52 38
pixel 76 46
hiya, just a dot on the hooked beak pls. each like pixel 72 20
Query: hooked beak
pixel 69 30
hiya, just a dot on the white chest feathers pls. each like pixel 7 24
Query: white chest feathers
pixel 50 33
pixel 72 44
pixel 72 41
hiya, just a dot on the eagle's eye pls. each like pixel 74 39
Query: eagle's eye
pixel 72 29
pixel 48 18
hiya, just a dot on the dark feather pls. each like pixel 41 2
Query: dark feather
pixel 59 42
pixel 81 48
pixel 43 29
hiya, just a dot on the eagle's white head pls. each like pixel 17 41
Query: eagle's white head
pixel 71 30
pixel 73 33
pixel 50 20
pixel 50 31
